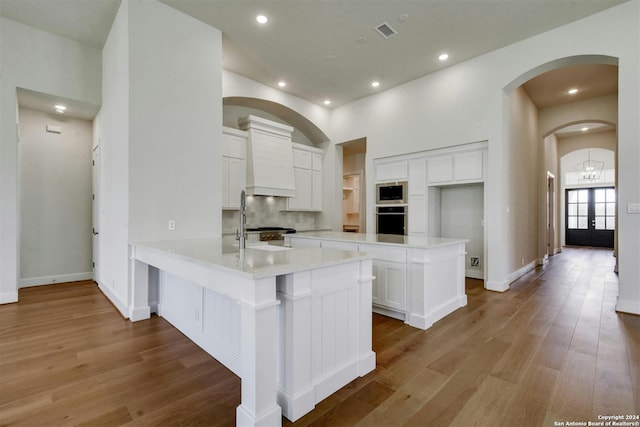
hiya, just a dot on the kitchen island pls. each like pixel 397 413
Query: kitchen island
pixel 417 279
pixel 293 324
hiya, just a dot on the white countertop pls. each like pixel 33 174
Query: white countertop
pixel 381 239
pixel 254 262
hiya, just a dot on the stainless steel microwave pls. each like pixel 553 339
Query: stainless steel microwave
pixel 391 193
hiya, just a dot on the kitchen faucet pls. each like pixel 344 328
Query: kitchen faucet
pixel 241 233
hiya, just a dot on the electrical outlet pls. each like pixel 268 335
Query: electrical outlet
pixel 475 261
pixel 522 261
pixel 172 225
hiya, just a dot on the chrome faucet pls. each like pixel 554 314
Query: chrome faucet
pixel 241 233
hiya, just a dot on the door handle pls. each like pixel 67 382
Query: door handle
pixel 95 233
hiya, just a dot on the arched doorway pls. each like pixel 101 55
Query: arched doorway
pixel 540 107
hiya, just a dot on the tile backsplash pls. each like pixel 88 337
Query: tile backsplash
pixel 263 211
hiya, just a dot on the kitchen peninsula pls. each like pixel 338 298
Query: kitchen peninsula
pixel 293 324
pixel 417 279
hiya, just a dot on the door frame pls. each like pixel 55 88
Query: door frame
pixel 96 208
pixel 551 214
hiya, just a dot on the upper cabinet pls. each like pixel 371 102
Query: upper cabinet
pixel 456 168
pixel 307 171
pixel 392 171
pixel 234 166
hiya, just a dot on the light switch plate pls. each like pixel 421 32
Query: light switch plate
pixel 633 208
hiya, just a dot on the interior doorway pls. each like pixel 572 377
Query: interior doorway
pixel 353 186
pixel 55 189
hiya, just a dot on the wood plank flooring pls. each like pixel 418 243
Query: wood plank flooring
pixel 550 349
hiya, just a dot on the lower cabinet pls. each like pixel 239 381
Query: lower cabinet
pixel 389 286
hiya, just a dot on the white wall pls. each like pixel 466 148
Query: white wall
pixel 523 148
pixel 467 102
pixel 461 215
pixel 55 199
pixel 551 165
pixel 175 124
pixel 161 123
pixel 34 60
pixel 112 134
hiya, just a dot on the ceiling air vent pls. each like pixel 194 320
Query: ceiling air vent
pixel 385 30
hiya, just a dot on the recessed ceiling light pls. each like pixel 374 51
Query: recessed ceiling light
pixel 327 102
pixel 443 56
pixel 403 17
pixel 584 129
pixel 282 83
pixel 572 91
pixel 60 107
pixel 59 111
pixel 330 57
pixel 375 83
pixel 262 19
pixel 361 39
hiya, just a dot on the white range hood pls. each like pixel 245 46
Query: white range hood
pixel 269 157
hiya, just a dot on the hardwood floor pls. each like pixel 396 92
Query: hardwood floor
pixel 550 349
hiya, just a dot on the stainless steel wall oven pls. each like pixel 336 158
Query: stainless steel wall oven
pixel 391 220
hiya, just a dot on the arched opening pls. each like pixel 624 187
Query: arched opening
pixel 545 121
pixel 305 131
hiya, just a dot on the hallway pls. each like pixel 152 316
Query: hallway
pixel 552 348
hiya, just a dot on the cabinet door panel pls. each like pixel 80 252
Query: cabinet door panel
pixel 316 163
pixel 395 286
pixel 302 199
pixel 301 159
pixel 417 177
pixel 468 166
pixel 417 214
pixel 440 168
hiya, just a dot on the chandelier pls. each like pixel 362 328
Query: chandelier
pixel 589 170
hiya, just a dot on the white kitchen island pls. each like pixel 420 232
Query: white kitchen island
pixel 293 324
pixel 417 279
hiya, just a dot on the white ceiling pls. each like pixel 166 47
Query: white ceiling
pixel 294 45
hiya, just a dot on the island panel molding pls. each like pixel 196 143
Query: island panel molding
pixel 293 324
pixel 418 279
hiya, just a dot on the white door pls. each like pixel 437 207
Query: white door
pixel 95 178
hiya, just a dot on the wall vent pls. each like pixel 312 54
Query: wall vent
pixel 385 30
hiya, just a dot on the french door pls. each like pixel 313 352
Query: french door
pixel 590 217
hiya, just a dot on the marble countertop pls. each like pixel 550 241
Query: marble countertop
pixel 381 239
pixel 256 261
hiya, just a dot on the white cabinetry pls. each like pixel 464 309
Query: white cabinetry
pixel 417 220
pixel 456 168
pixel 391 171
pixel 234 166
pixel 390 283
pixel 307 172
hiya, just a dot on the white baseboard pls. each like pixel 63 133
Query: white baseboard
pixel 493 285
pixel 115 300
pixel 474 274
pixel 8 297
pixel 50 280
pixel 521 271
pixel 628 306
